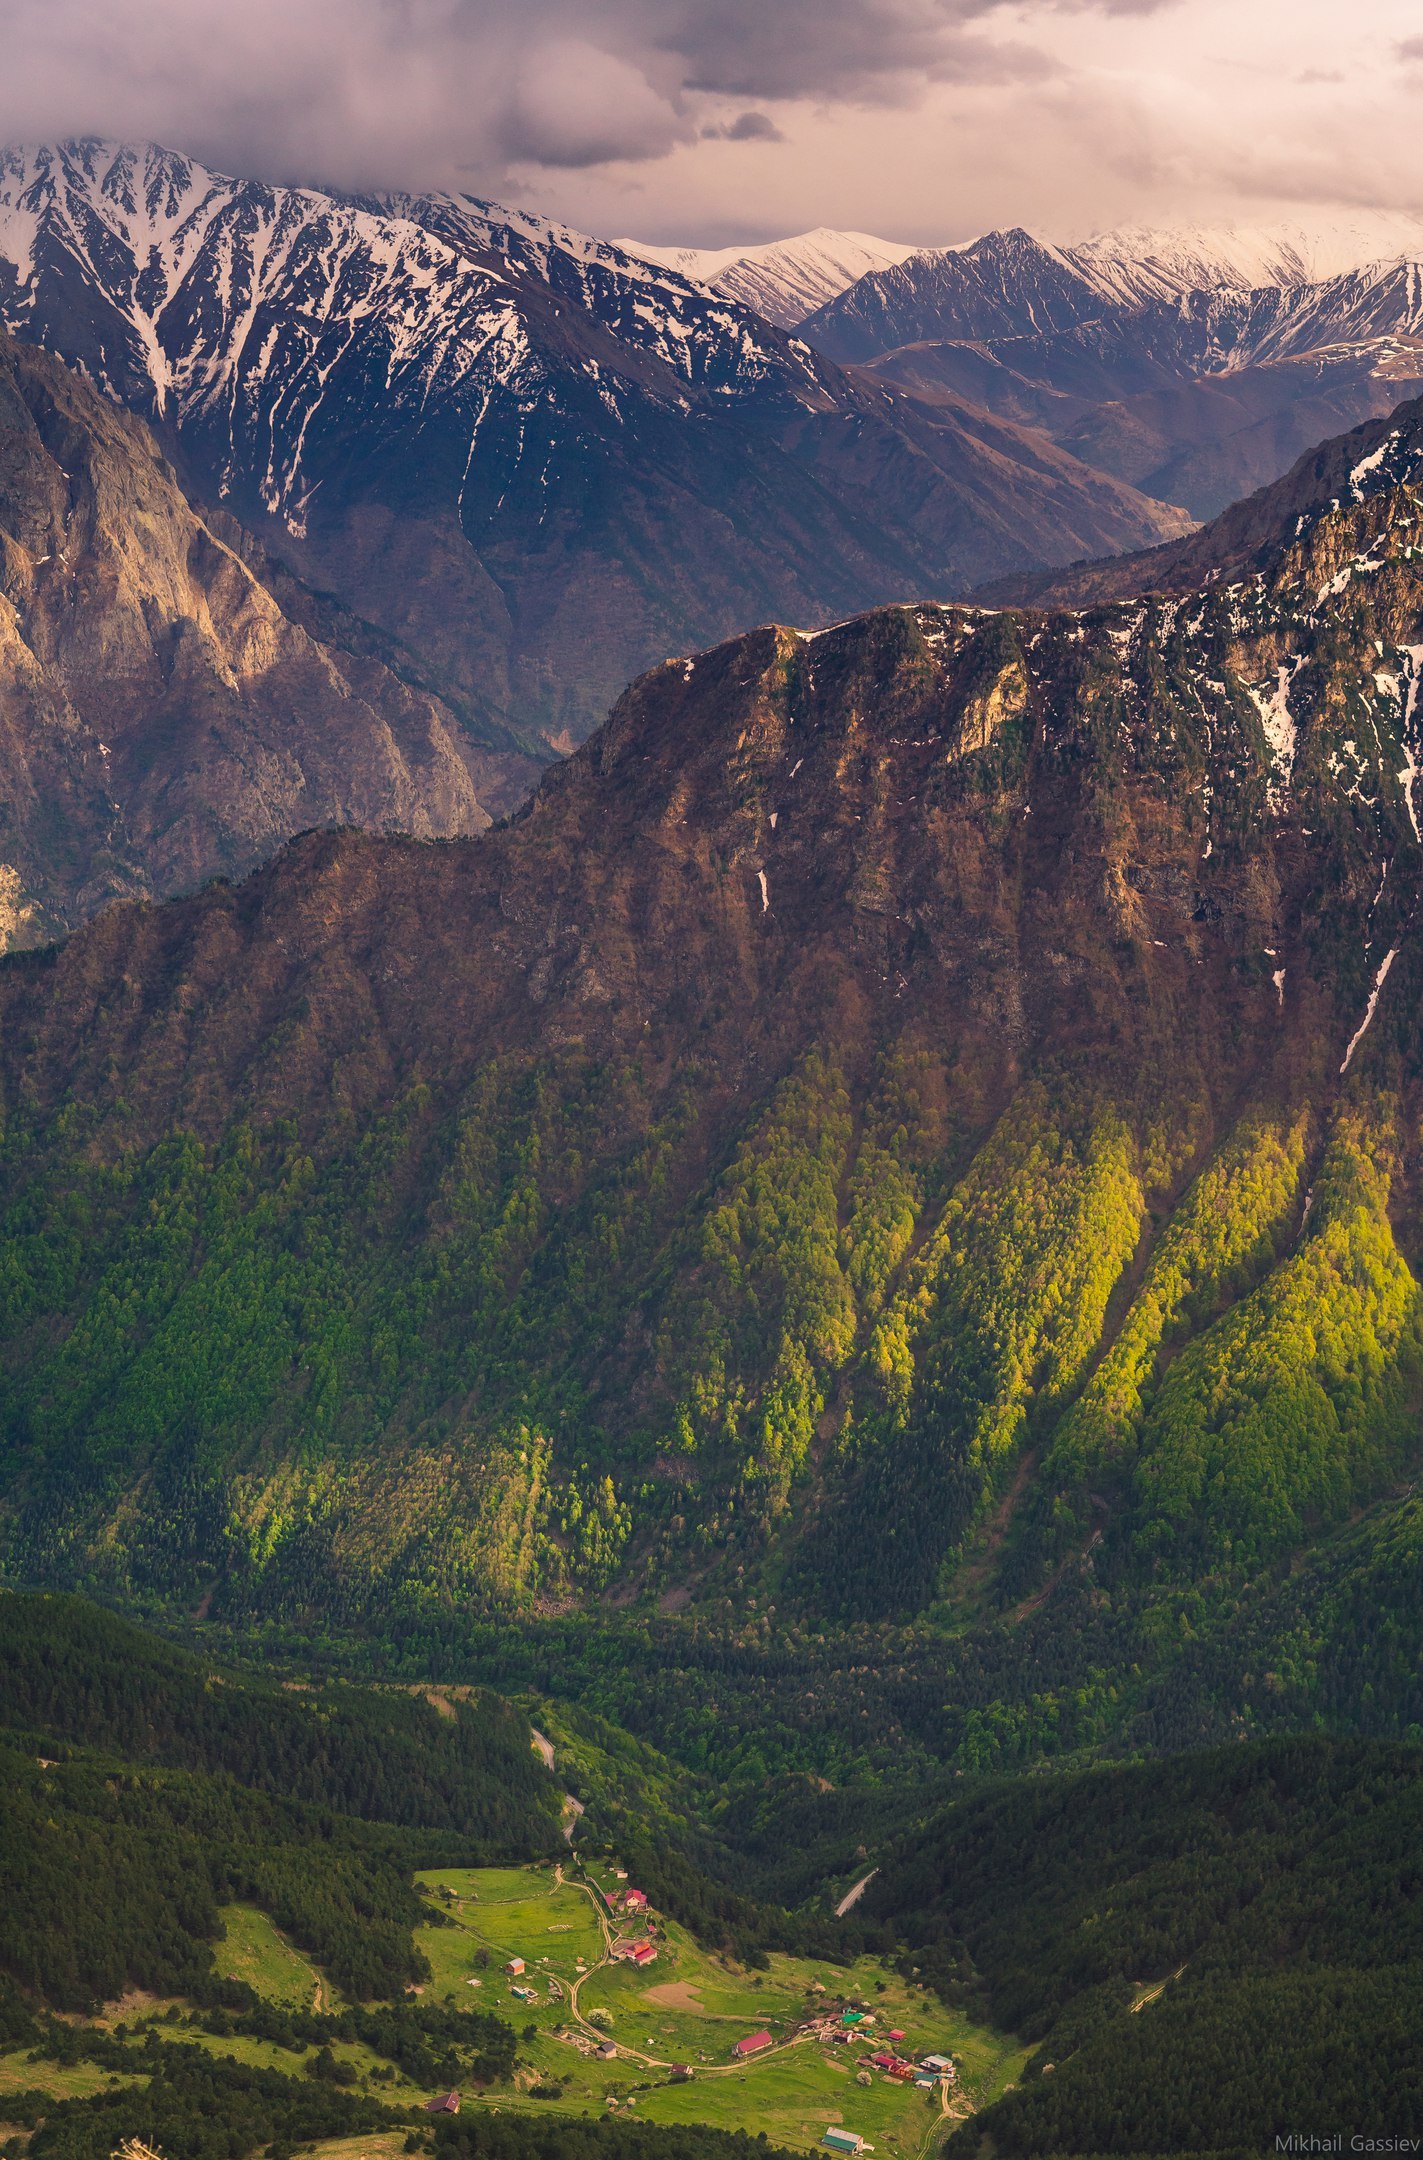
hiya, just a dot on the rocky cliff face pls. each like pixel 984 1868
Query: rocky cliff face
pixel 162 719
pixel 956 1060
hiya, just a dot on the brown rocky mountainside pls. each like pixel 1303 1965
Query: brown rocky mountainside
pixel 860 1042
pixel 164 718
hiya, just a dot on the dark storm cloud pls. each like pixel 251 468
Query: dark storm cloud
pixel 401 91
pixel 746 127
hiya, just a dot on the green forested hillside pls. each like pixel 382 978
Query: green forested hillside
pixel 1189 1945
pixel 143 1789
pixel 1200 1947
pixel 71 1673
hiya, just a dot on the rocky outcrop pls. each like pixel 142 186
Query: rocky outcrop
pixel 162 719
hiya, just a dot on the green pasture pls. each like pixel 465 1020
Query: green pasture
pixel 251 1949
pixel 71 2081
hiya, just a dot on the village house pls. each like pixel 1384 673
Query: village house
pixel 443 2104
pixel 515 1965
pixel 752 2045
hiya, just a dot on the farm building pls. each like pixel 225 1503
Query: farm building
pixel 942 2065
pixel 606 2050
pixel 644 1953
pixel 752 2045
pixel 682 2074
pixel 515 1965
pixel 443 2104
pixel 844 2141
pixel 896 2036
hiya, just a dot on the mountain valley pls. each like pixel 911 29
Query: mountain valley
pixel 836 1070
pixel 711 1161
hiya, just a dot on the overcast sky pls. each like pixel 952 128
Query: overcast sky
pixel 714 121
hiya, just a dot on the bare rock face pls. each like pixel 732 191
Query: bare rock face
pixel 163 720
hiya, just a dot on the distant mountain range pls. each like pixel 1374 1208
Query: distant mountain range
pixel 789 280
pixel 784 280
pixel 534 463
pixel 1196 365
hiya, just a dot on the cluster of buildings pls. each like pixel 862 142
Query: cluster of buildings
pixel 634 1950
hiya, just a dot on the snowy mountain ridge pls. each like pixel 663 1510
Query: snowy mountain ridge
pixel 1138 263
pixel 784 280
pixel 787 280
pixel 239 303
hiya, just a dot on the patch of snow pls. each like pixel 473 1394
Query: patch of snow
pixel 765 891
pixel 1278 722
pixel 1362 1029
pixel 1369 464
pixel 1409 774
pixel 852 1896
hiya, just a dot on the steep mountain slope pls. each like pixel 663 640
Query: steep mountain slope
pixel 1194 392
pixel 535 463
pixel 826 1105
pixel 784 280
pixel 165 716
pixel 1006 285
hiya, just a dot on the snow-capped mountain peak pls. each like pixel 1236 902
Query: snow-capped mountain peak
pixel 784 280
pixel 1137 264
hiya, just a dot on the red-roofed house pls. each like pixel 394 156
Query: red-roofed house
pixel 752 2045
pixel 635 1900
